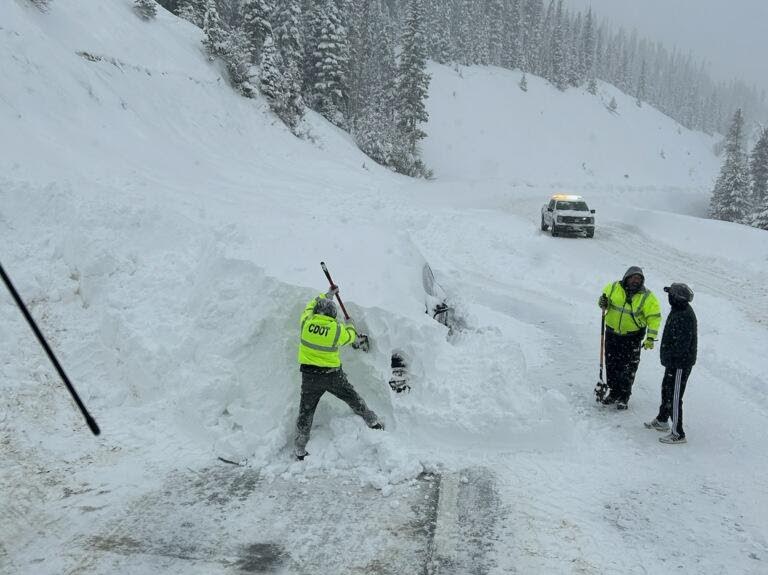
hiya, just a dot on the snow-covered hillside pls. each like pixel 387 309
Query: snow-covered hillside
pixel 166 234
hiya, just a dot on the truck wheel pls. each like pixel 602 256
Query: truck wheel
pixel 544 226
pixel 590 233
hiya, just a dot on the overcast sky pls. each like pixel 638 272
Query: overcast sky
pixel 732 35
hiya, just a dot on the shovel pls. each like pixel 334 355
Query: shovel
pixel 601 389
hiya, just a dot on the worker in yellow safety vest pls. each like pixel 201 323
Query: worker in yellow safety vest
pixel 322 337
pixel 632 320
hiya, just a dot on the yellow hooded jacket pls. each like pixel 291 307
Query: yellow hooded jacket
pixel 322 337
pixel 624 317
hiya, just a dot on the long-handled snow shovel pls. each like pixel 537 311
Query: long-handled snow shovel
pixel 601 389
pixel 92 425
pixel 363 343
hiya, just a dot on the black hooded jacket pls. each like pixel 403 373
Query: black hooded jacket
pixel 680 339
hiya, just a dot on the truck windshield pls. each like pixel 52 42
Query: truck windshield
pixel 575 206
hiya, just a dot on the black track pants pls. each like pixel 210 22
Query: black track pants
pixel 622 356
pixel 313 386
pixel 672 390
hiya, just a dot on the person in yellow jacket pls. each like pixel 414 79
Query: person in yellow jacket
pixel 632 320
pixel 322 337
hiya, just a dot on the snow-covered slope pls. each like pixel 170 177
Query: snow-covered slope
pixel 543 135
pixel 167 233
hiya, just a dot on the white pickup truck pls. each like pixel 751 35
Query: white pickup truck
pixel 567 214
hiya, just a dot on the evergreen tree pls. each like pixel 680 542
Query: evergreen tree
pixel 592 85
pixel 255 24
pixel 523 83
pixel 641 85
pixel 290 43
pixel 496 31
pixel 374 128
pixel 533 36
pixel 272 82
pixel 238 58
pixel 730 195
pixel 758 170
pixel 588 44
pixel 613 105
pixel 512 46
pixel 328 61
pixel 215 40
pixel 413 88
pixel 761 219
pixel 462 18
pixel 171 5
pixel 545 57
pixel 146 9
pixel 192 11
pixel 575 58
pixel 559 71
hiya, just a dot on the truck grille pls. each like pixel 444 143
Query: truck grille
pixel 575 220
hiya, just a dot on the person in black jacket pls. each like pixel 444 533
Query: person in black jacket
pixel 678 355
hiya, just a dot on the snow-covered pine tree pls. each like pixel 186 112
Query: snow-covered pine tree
pixel 192 11
pixel 480 33
pixel 287 32
pixel 511 47
pixel 328 61
pixel 215 38
pixel 588 42
pixel 559 63
pixel 374 128
pixel 533 31
pixel 544 68
pixel 146 9
pixel 592 85
pixel 523 83
pixel 575 57
pixel 613 105
pixel 272 82
pixel 496 31
pixel 412 90
pixel 761 219
pixel 461 18
pixel 642 85
pixel 255 24
pixel 758 171
pixel 438 30
pixel 238 58
pixel 730 197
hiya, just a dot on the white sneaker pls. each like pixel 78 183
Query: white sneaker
pixel 657 425
pixel 300 454
pixel 673 438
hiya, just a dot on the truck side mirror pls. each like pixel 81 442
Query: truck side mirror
pixel 591 211
pixel 549 209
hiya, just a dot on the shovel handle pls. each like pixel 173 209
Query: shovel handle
pixel 338 297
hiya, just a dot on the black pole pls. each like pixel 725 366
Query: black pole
pixel 88 419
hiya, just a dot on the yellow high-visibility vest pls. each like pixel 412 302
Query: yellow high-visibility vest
pixel 322 337
pixel 624 317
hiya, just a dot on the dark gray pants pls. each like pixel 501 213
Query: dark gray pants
pixel 313 386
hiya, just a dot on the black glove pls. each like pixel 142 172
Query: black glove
pixel 603 301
